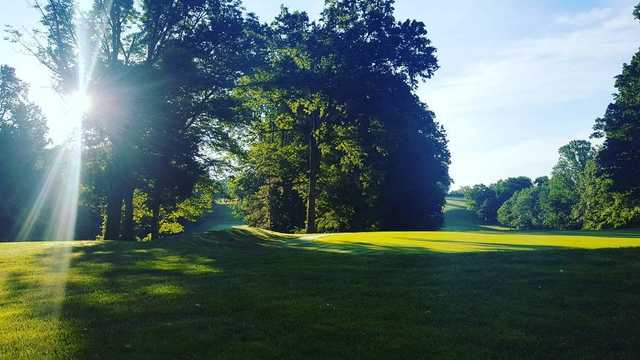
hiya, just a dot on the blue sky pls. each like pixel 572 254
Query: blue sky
pixel 518 78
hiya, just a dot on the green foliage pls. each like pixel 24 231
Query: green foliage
pixel 577 196
pixel 486 200
pixel 602 208
pixel 320 117
pixel 163 74
pixel 524 210
pixel 506 188
pixel 620 128
pixel 23 153
pixel 347 140
pixel 173 219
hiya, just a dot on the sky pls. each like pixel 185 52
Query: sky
pixel 517 78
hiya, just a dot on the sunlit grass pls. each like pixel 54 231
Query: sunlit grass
pixel 32 292
pixel 247 293
pixel 451 241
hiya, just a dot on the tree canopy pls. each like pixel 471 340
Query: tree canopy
pixel 339 132
pixel 23 153
pixel 316 122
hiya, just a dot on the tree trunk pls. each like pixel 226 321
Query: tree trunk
pixel 114 211
pixel 313 178
pixel 127 223
pixel 155 219
pixel 270 205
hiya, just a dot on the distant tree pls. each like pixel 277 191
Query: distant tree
pixel 566 176
pixel 576 196
pixel 542 180
pixel 457 193
pixel 599 207
pixel 524 209
pixel 486 200
pixel 573 159
pixel 23 154
pixel 506 188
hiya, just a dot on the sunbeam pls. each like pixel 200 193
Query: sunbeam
pixel 57 200
pixel 53 214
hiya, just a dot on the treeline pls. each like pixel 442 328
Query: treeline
pixel 316 122
pixel 577 195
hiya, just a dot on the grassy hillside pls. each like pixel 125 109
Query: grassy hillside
pixel 458 217
pixel 244 293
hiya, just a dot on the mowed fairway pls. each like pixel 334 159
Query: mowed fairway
pixel 454 242
pixel 243 293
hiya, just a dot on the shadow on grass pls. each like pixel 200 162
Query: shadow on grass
pixel 623 233
pixel 363 247
pixel 221 217
pixel 251 294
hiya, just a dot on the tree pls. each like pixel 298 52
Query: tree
pixel 524 209
pixel 599 207
pixel 372 154
pixel 486 200
pixel 566 176
pixel 380 62
pixel 162 71
pixel 23 152
pixel 620 128
pixel 506 188
pixel 573 159
pixel 576 196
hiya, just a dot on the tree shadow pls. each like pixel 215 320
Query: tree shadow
pixel 621 233
pixel 247 293
pixel 221 217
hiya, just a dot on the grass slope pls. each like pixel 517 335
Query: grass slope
pixel 244 293
pixel 458 217
pixel 221 217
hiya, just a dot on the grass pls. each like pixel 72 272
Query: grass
pixel 221 217
pixel 245 293
pixel 458 217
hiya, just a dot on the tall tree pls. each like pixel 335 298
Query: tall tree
pixel 620 128
pixel 341 91
pixel 566 176
pixel 183 56
pixel 22 151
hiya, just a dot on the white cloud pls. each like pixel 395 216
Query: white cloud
pixel 542 70
pixel 584 18
pixel 531 89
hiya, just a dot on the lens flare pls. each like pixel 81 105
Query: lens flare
pixel 54 212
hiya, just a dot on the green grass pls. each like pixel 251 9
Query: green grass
pixel 232 294
pixel 458 217
pixel 221 217
pixel 244 293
